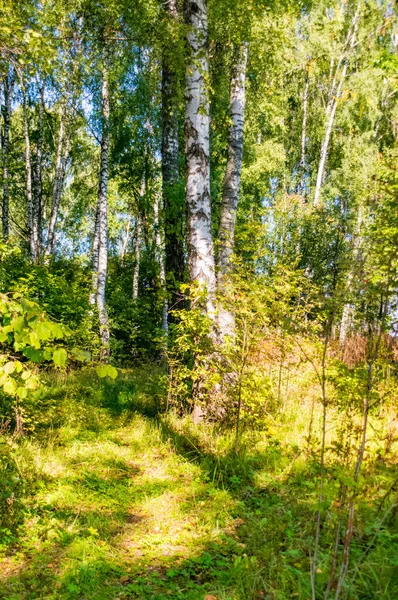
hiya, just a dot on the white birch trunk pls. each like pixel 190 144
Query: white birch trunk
pixel 95 246
pixel 173 205
pixel 334 94
pixel 347 319
pixel 197 150
pixel 8 88
pixel 303 158
pixel 138 239
pixel 59 178
pixel 37 187
pixel 231 189
pixel 102 211
pixel 161 258
pixel 28 169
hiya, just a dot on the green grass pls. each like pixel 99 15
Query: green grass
pixel 122 503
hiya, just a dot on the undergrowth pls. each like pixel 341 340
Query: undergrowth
pixel 115 499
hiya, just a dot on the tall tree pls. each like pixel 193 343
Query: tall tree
pixel 340 73
pixel 35 233
pixel 102 210
pixel 8 85
pixel 231 186
pixel 173 207
pixel 197 150
pixel 28 166
pixel 59 177
pixel 139 235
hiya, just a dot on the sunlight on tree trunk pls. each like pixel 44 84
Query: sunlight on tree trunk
pixel 197 149
pixel 231 189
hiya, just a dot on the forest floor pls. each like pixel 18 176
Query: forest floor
pixel 125 504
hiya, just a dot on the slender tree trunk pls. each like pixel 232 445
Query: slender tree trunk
pixel 8 88
pixel 173 201
pixel 95 247
pixel 347 319
pixel 303 159
pixel 334 94
pixel 231 188
pixel 35 243
pixel 28 169
pixel 197 150
pixel 102 216
pixel 138 239
pixel 59 178
pixel 161 258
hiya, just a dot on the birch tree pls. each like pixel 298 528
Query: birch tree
pixel 28 168
pixel 8 85
pixel 138 237
pixel 173 208
pixel 231 188
pixel 339 76
pixel 59 178
pixel 197 149
pixel 160 254
pixel 35 233
pixel 102 213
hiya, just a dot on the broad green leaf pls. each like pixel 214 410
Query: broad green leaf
pixel 10 387
pixel 9 367
pixel 60 357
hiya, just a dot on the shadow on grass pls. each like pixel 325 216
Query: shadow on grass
pixel 92 539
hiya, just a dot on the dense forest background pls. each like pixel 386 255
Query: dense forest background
pixel 198 299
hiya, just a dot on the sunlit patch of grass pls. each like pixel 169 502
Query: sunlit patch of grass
pixel 123 505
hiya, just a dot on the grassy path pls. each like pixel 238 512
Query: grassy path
pixel 122 505
pixel 120 514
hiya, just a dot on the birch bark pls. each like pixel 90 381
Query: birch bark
pixel 8 89
pixel 303 159
pixel 334 94
pixel 37 183
pixel 28 168
pixel 173 204
pixel 59 178
pixel 231 189
pixel 138 238
pixel 197 150
pixel 160 253
pixel 102 213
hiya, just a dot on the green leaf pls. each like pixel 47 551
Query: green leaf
pixel 102 371
pixel 60 357
pixel 9 367
pixel 112 372
pixel 34 355
pixel 43 330
pixel 106 371
pixel 10 387
pixel 22 392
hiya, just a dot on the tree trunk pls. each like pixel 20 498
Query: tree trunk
pixel 347 319
pixel 138 238
pixel 59 178
pixel 231 188
pixel 197 150
pixel 102 216
pixel 303 159
pixel 95 247
pixel 8 88
pixel 173 201
pixel 161 258
pixel 334 94
pixel 28 169
pixel 37 184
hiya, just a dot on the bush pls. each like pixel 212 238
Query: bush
pixel 11 491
